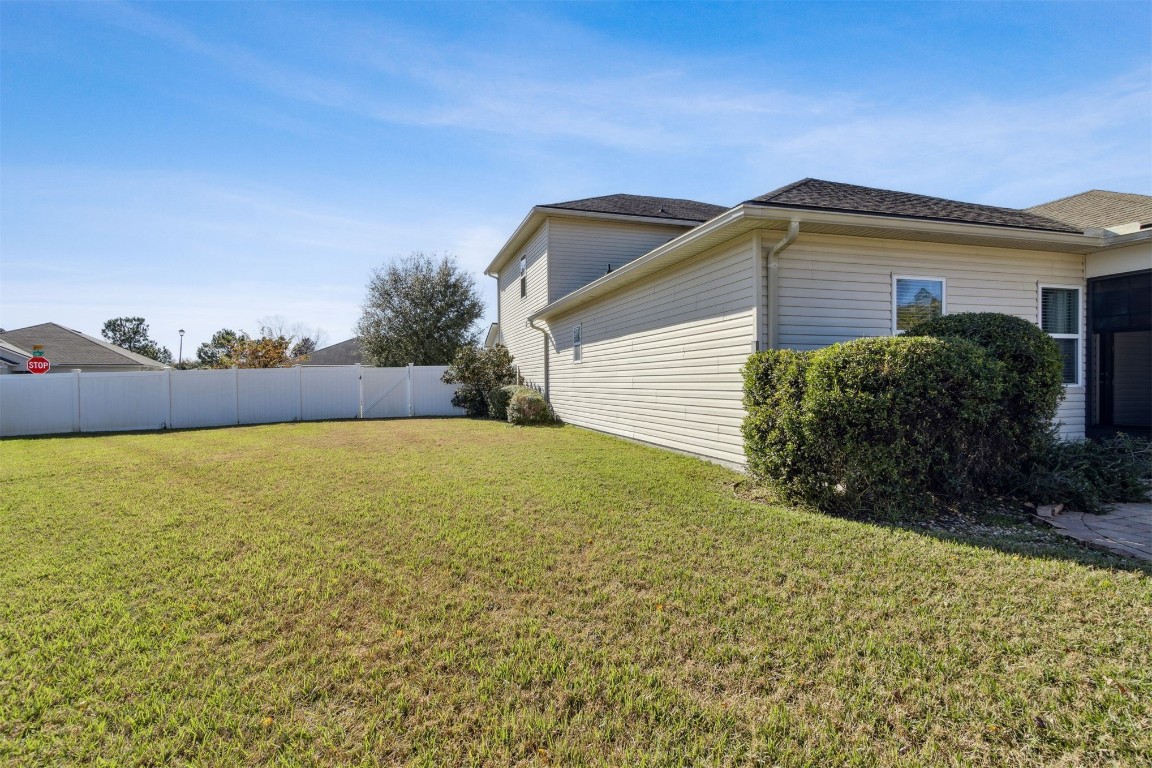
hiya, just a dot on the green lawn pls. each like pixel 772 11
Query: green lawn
pixel 451 592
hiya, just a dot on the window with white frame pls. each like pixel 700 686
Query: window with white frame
pixel 914 300
pixel 577 350
pixel 1060 319
pixel 523 276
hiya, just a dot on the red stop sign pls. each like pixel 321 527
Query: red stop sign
pixel 38 365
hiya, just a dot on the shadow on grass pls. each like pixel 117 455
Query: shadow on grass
pixel 1003 529
pixel 178 430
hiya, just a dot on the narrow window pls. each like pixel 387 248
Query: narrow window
pixel 914 300
pixel 1060 318
pixel 523 276
pixel 577 352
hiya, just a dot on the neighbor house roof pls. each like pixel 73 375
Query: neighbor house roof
pixel 11 354
pixel 644 206
pixel 1098 208
pixel 67 348
pixel 850 198
pixel 345 353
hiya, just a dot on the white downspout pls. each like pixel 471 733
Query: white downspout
pixel 547 352
pixel 774 283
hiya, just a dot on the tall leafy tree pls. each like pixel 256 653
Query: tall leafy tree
pixel 419 309
pixel 131 333
pixel 210 353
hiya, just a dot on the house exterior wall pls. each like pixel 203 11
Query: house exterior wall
pixel 834 289
pixel 581 250
pixel 661 359
pixel 1130 258
pixel 525 344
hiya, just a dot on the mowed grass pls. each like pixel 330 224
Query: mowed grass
pixel 451 592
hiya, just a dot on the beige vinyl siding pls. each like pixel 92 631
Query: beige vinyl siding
pixel 581 250
pixel 525 344
pixel 1117 261
pixel 834 289
pixel 661 359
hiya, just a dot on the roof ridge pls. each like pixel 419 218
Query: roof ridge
pixel 820 194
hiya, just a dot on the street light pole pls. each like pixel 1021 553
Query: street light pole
pixel 180 354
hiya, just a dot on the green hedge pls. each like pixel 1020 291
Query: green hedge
pixel 528 406
pixel 1032 374
pixel 499 398
pixel 887 425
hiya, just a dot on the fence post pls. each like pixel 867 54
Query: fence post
pixel 411 410
pixel 300 390
pixel 360 386
pixel 75 399
pixel 168 381
pixel 236 381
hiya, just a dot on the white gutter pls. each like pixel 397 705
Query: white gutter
pixel 541 212
pixel 1084 243
pixel 774 283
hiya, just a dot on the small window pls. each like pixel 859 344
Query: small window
pixel 914 300
pixel 523 276
pixel 1060 319
pixel 577 352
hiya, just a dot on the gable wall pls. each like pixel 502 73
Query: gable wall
pixel 834 289
pixel 525 344
pixel 661 358
pixel 581 250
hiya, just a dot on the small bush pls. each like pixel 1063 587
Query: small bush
pixel 527 406
pixel 773 397
pixel 1089 475
pixel 478 371
pixel 1032 375
pixel 892 426
pixel 499 398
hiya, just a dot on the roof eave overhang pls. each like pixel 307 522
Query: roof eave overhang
pixel 540 213
pixel 1119 241
pixel 748 216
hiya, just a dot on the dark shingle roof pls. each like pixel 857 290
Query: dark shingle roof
pixel 642 205
pixel 1098 208
pixel 345 353
pixel 66 348
pixel 833 196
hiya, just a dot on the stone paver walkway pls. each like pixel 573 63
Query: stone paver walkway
pixel 1126 530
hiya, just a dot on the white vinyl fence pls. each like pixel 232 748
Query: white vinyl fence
pixel 111 402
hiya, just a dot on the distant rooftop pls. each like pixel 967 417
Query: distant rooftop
pixel 345 353
pixel 1098 208
pixel 642 205
pixel 67 348
pixel 849 198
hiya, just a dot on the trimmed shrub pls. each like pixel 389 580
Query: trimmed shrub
pixel 527 406
pixel 478 371
pixel 773 395
pixel 893 426
pixel 1089 475
pixel 1032 374
pixel 499 398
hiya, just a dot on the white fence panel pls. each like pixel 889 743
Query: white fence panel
pixel 430 396
pixel 385 393
pixel 267 395
pixel 204 398
pixel 106 402
pixel 115 402
pixel 37 404
pixel 331 392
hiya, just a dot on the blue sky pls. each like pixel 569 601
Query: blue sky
pixel 209 165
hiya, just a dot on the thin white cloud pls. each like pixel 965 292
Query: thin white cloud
pixel 639 102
